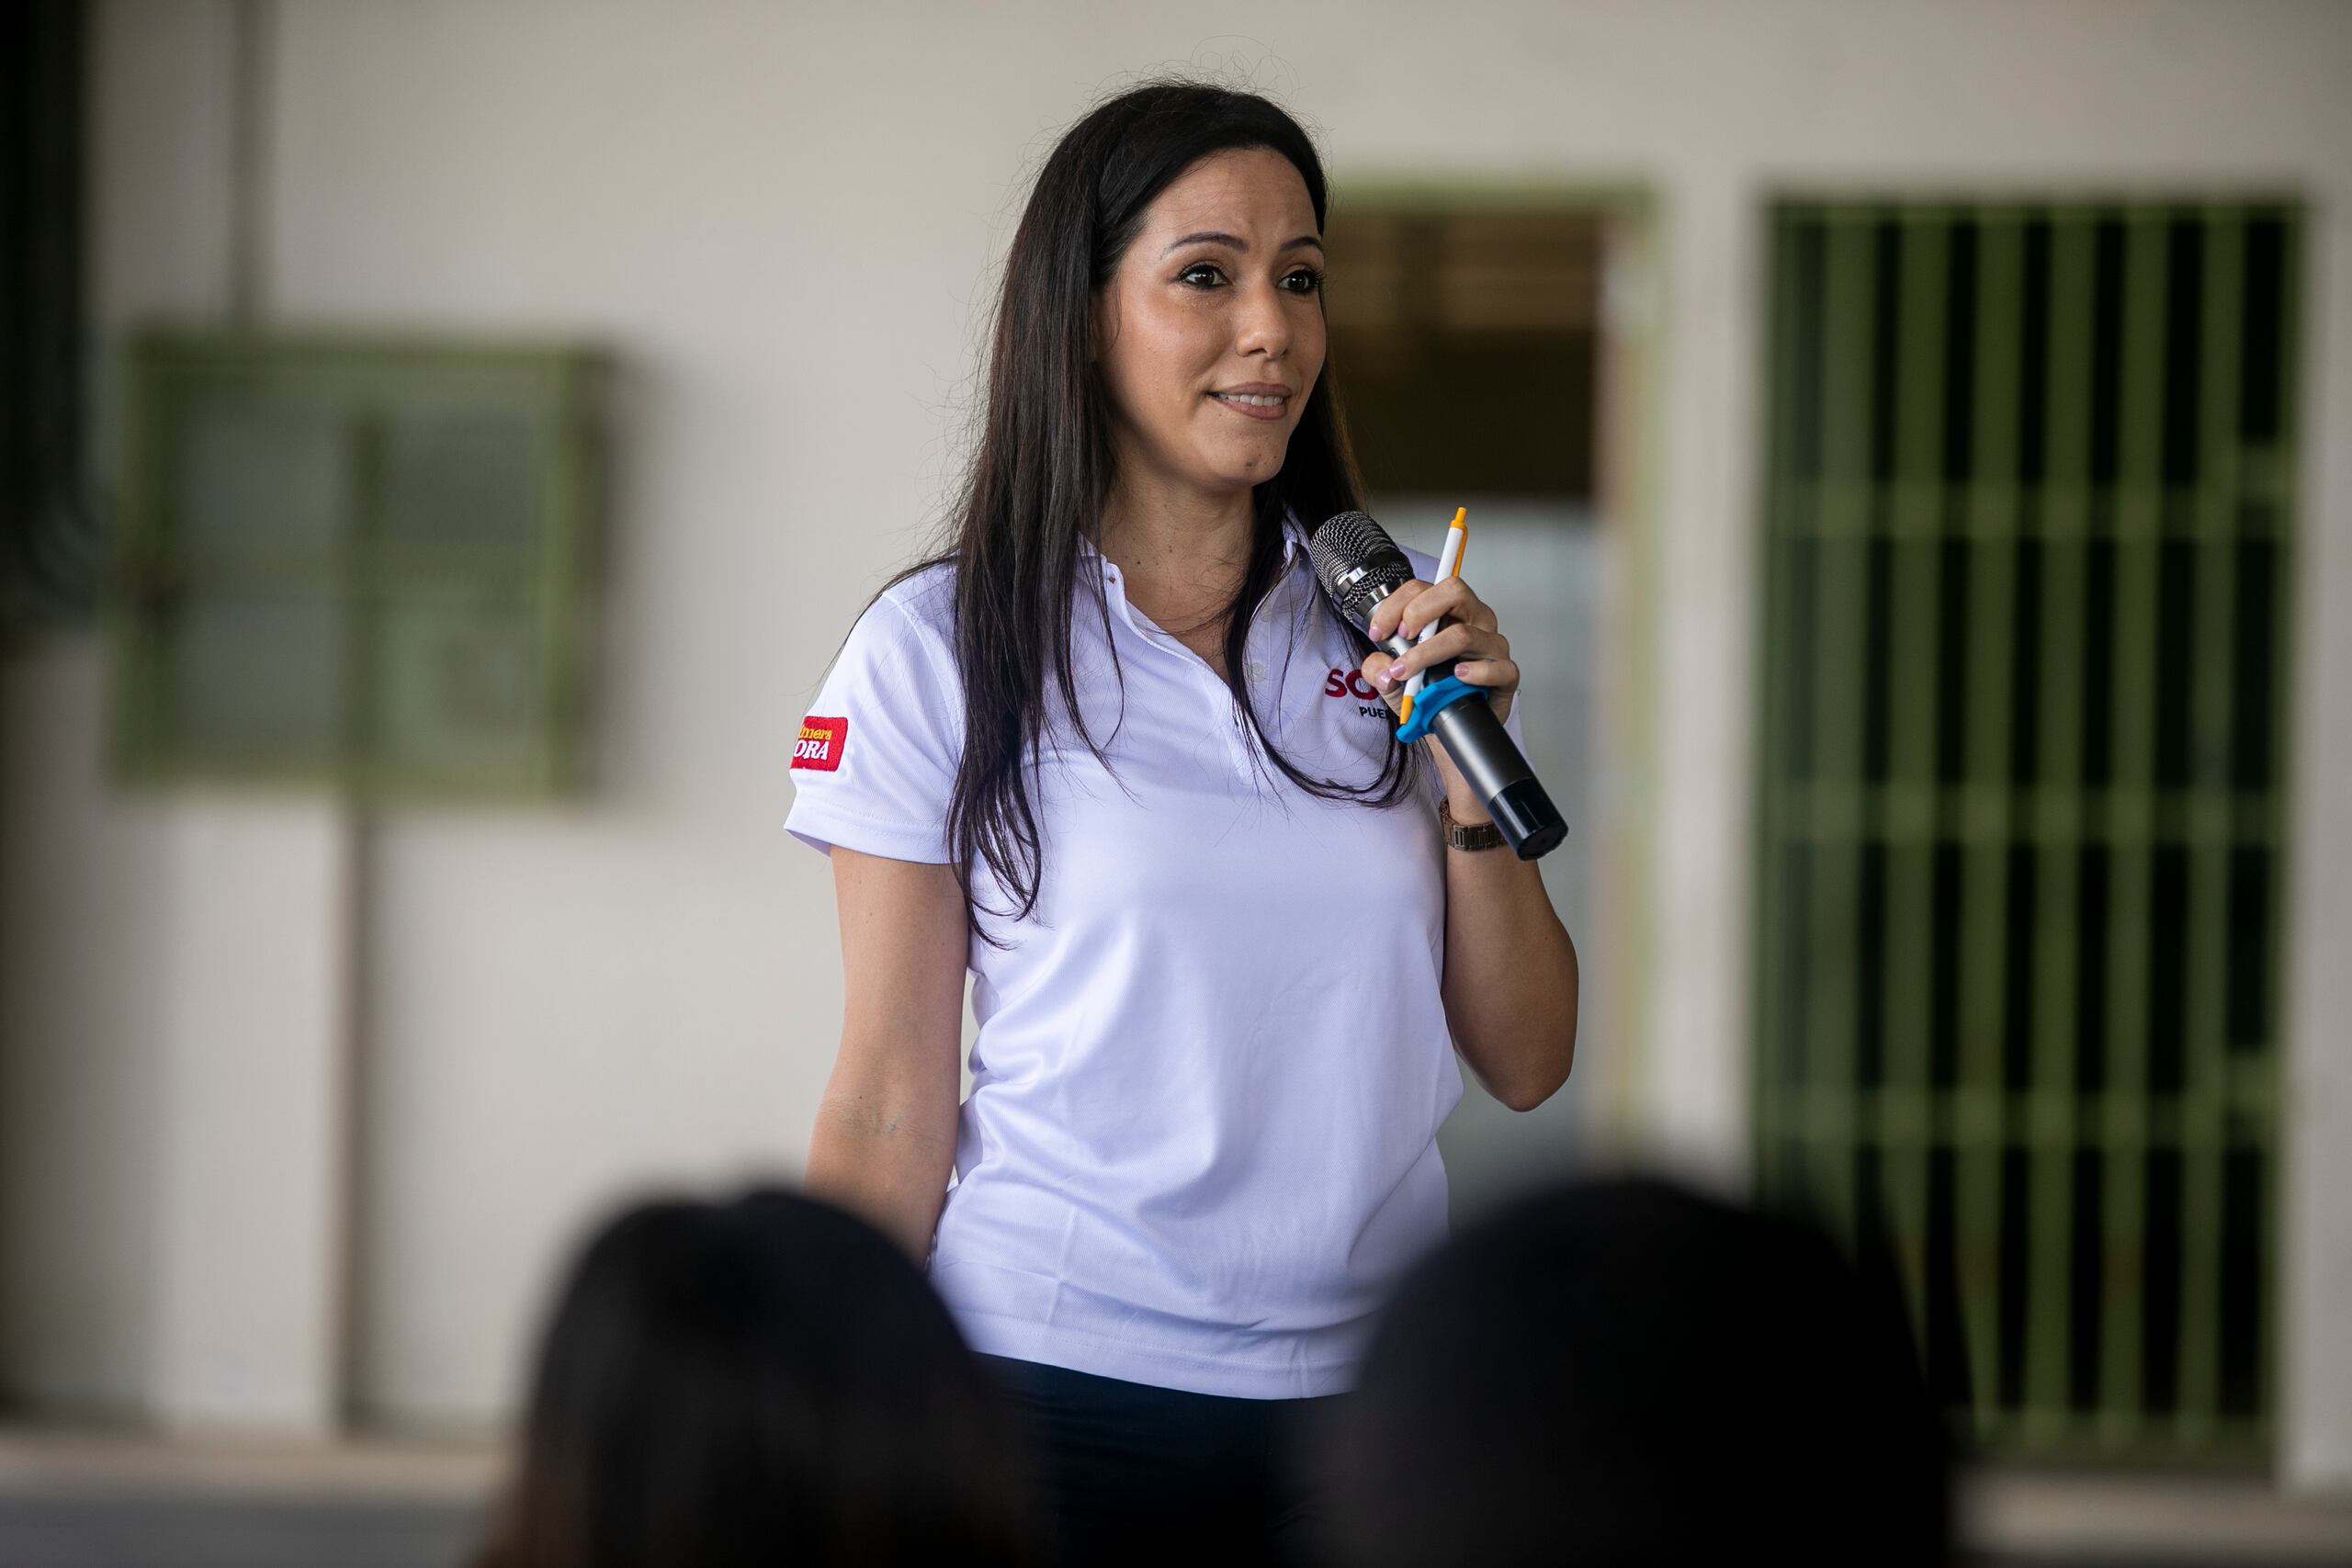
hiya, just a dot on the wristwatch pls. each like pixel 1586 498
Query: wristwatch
pixel 1460 836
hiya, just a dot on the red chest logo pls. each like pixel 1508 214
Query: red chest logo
pixel 821 743
pixel 1350 684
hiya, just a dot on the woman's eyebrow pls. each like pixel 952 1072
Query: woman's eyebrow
pixel 1213 236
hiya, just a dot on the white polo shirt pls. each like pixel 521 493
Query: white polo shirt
pixel 1209 1071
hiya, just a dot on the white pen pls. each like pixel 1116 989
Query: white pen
pixel 1449 564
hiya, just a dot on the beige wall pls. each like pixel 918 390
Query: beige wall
pixel 781 219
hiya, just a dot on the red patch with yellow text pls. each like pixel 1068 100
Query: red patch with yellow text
pixel 821 743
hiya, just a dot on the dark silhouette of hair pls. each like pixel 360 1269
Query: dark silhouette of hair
pixel 761 1382
pixel 1628 1373
pixel 1043 465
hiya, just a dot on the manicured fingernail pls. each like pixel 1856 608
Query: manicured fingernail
pixel 1387 676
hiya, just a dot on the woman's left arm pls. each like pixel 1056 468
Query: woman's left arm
pixel 1511 968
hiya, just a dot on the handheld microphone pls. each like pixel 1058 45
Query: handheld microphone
pixel 1359 565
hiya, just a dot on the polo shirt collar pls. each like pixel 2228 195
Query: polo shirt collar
pixel 1293 538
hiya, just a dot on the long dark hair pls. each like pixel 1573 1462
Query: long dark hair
pixel 1043 468
pixel 762 1381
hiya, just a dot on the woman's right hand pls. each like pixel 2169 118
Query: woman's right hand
pixel 884 1145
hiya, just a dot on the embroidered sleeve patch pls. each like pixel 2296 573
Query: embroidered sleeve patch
pixel 821 743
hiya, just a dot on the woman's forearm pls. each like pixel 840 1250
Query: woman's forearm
pixel 1510 969
pixel 885 1139
pixel 884 1157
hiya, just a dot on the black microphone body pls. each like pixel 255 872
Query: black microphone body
pixel 1359 566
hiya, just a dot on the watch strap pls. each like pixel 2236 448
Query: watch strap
pixel 1468 836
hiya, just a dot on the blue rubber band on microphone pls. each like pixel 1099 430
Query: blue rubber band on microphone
pixel 1435 698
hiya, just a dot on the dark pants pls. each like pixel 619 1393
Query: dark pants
pixel 1136 1474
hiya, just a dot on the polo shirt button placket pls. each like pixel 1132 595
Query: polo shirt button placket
pixel 1241 747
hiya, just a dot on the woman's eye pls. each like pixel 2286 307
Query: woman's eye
pixel 1207 275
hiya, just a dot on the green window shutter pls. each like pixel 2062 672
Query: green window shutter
pixel 2029 522
pixel 363 565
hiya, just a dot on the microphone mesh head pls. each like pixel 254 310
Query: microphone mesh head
pixel 1357 563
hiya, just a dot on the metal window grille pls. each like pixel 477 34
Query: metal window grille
pixel 2030 523
pixel 356 564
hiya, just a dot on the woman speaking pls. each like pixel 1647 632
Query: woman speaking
pixel 1226 933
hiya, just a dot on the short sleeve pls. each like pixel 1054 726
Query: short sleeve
pixel 874 762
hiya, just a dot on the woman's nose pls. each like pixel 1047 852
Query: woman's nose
pixel 1265 326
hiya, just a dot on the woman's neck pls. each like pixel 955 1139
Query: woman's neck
pixel 1179 548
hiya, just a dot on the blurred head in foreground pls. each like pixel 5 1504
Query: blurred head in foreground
pixel 1625 1373
pixel 762 1381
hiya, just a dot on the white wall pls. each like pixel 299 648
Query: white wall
pixel 781 219
pixel 84 876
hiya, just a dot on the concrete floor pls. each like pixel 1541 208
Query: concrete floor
pixel 122 1500
pixel 97 1500
pixel 224 1532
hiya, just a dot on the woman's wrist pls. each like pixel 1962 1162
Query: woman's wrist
pixel 1461 802
pixel 1468 812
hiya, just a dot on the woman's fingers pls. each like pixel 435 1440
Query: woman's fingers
pixel 1458 641
pixel 1500 676
pixel 1389 611
pixel 1497 673
pixel 1393 694
pixel 1418 603
pixel 1481 654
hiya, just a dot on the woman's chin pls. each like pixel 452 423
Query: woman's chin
pixel 1216 472
pixel 1242 470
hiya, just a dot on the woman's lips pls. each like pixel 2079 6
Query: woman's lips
pixel 1255 406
